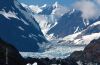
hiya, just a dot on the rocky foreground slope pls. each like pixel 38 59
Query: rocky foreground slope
pixel 9 55
pixel 90 55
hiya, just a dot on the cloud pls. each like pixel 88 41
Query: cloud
pixel 88 7
pixel 98 1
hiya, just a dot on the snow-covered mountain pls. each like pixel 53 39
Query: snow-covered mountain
pixel 46 22
pixel 85 36
pixel 70 23
pixel 55 9
pixel 47 15
pixel 65 28
pixel 62 48
pixel 59 21
pixel 59 10
pixel 19 27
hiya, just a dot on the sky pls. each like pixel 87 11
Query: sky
pixel 42 2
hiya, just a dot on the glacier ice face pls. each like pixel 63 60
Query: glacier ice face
pixel 55 52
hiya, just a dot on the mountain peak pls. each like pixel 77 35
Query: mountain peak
pixel 55 4
pixel 24 31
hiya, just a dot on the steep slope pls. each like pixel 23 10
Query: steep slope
pixel 18 27
pixel 46 22
pixel 85 36
pixel 59 10
pixel 94 28
pixel 76 32
pixel 48 15
pixel 92 52
pixel 47 10
pixel 71 23
pixel 55 9
pixel 56 18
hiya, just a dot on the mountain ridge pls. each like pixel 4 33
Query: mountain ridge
pixel 18 27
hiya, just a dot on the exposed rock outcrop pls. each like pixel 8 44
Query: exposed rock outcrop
pixel 92 52
pixel 9 55
pixel 90 55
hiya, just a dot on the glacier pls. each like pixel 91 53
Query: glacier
pixel 62 42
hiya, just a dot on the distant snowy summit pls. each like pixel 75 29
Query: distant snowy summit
pixel 19 27
pixel 65 28
pixel 61 21
pixel 57 21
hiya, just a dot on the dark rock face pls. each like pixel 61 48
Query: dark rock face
pixel 67 24
pixel 9 55
pixel 54 61
pixel 47 10
pixel 90 55
pixel 76 55
pixel 71 23
pixel 92 51
pixel 18 27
